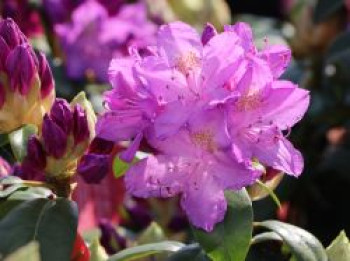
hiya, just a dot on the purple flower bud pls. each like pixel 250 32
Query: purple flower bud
pixel 20 65
pixel 62 115
pixel 10 32
pixel 208 33
pixel 140 215
pixel 55 139
pixel 101 146
pixel 45 74
pixel 110 239
pixel 4 52
pixel 80 125
pixel 28 172
pixel 93 167
pixel 35 153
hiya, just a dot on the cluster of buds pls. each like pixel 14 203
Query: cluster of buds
pixel 66 133
pixel 26 84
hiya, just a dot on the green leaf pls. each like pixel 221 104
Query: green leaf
pixel 191 252
pixel 29 252
pixel 303 245
pixel 153 233
pixel 146 250
pixel 19 139
pixel 97 252
pixel 4 139
pixel 339 250
pixel 120 166
pixel 31 193
pixel 266 236
pixel 53 223
pixel 230 239
pixel 326 8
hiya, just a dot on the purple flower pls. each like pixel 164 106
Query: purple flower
pixel 210 107
pixel 110 238
pixel 94 36
pixel 94 167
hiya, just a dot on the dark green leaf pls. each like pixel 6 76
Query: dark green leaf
pixel 29 252
pixel 9 185
pixel 326 8
pixel 146 250
pixel 7 205
pixel 339 250
pixel 4 139
pixel 153 233
pixel 191 252
pixel 303 245
pixel 52 223
pixel 267 236
pixel 19 139
pixel 31 193
pixel 230 239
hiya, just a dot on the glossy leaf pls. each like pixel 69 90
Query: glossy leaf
pixel 146 250
pixel 19 139
pixel 267 236
pixel 191 252
pixel 230 239
pixel 303 245
pixel 339 250
pixel 153 233
pixel 53 223
pixel 29 252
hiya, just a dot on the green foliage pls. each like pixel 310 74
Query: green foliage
pixel 136 252
pixel 303 245
pixel 53 223
pixel 230 239
pixel 153 233
pixel 326 8
pixel 339 250
pixel 191 252
pixel 29 252
pixel 97 252
pixel 19 139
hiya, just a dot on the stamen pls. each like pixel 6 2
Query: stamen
pixel 187 62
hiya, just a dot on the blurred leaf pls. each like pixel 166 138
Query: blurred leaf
pixel 326 8
pixel 146 250
pixel 97 252
pixel 53 223
pixel 7 205
pixel 266 236
pixel 230 239
pixel 4 139
pixel 19 139
pixel 191 252
pixel 29 252
pixel 9 185
pixel 260 189
pixel 303 245
pixel 120 167
pixel 339 250
pixel 153 233
pixel 31 193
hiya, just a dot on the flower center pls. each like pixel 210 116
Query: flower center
pixel 204 139
pixel 249 101
pixel 187 62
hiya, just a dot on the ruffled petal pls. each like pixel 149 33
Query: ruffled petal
pixel 204 202
pixel 278 58
pixel 160 176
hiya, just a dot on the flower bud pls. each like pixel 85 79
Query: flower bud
pixel 21 67
pixel 93 167
pixel 62 115
pixel 26 83
pixel 54 138
pixel 35 153
pixel 45 75
pixel 10 32
pixel 81 128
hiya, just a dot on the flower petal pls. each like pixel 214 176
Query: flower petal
pixel 278 58
pixel 160 176
pixel 204 202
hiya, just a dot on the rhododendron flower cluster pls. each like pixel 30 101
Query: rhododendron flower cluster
pixel 211 107
pixel 93 38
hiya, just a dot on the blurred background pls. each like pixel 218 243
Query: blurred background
pixel 81 36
